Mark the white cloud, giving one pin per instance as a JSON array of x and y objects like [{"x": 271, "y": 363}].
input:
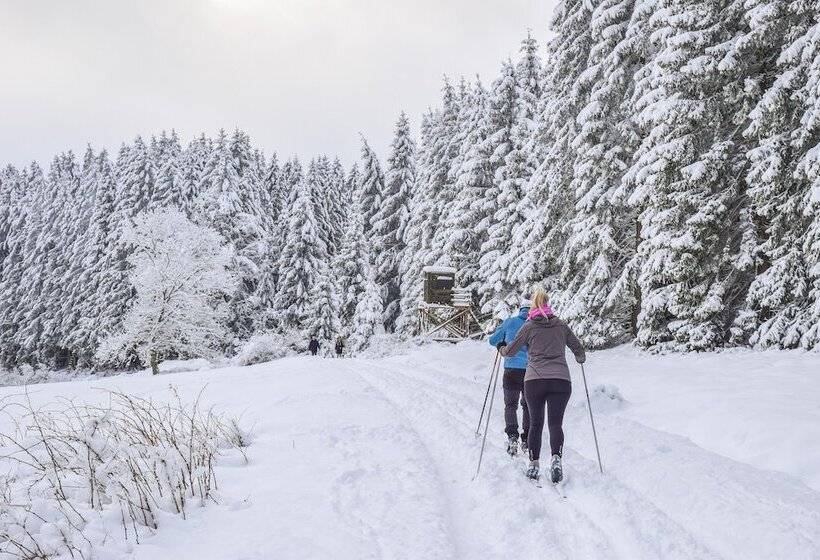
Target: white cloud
[{"x": 301, "y": 76}]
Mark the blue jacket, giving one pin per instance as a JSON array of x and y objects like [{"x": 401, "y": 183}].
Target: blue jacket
[{"x": 506, "y": 332}]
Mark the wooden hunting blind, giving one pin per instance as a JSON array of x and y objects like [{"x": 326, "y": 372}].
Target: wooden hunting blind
[
  {"x": 447, "y": 311},
  {"x": 438, "y": 284}
]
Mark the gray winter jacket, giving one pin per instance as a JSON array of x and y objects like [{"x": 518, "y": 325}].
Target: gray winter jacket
[{"x": 545, "y": 339}]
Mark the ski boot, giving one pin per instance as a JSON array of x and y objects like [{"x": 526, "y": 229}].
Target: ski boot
[
  {"x": 556, "y": 472},
  {"x": 532, "y": 470},
  {"x": 512, "y": 446},
  {"x": 524, "y": 446}
]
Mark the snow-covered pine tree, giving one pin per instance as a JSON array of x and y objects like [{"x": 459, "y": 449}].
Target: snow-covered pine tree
[
  {"x": 466, "y": 220},
  {"x": 351, "y": 266},
  {"x": 300, "y": 262},
  {"x": 27, "y": 317},
  {"x": 99, "y": 251},
  {"x": 338, "y": 200},
  {"x": 525, "y": 156},
  {"x": 808, "y": 169},
  {"x": 290, "y": 177},
  {"x": 323, "y": 320},
  {"x": 501, "y": 200},
  {"x": 114, "y": 293},
  {"x": 436, "y": 166},
  {"x": 76, "y": 282},
  {"x": 371, "y": 185},
  {"x": 390, "y": 221},
  {"x": 318, "y": 179},
  {"x": 68, "y": 211},
  {"x": 537, "y": 242},
  {"x": 360, "y": 302},
  {"x": 191, "y": 165},
  {"x": 180, "y": 273},
  {"x": 230, "y": 202},
  {"x": 529, "y": 74},
  {"x": 782, "y": 299},
  {"x": 136, "y": 178},
  {"x": 448, "y": 196},
  {"x": 16, "y": 197},
  {"x": 260, "y": 171},
  {"x": 11, "y": 192},
  {"x": 367, "y": 319},
  {"x": 602, "y": 229},
  {"x": 417, "y": 234},
  {"x": 273, "y": 182},
  {"x": 166, "y": 152},
  {"x": 352, "y": 182},
  {"x": 687, "y": 185}
]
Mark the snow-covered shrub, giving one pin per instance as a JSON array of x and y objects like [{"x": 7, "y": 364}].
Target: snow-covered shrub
[
  {"x": 604, "y": 398},
  {"x": 267, "y": 346},
  {"x": 194, "y": 364},
  {"x": 389, "y": 345},
  {"x": 70, "y": 473},
  {"x": 180, "y": 275},
  {"x": 25, "y": 374}
]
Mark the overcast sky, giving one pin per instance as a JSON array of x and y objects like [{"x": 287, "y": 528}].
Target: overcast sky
[{"x": 301, "y": 76}]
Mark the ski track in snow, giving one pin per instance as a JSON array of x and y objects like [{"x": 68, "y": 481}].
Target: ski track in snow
[
  {"x": 603, "y": 529},
  {"x": 374, "y": 459},
  {"x": 662, "y": 496}
]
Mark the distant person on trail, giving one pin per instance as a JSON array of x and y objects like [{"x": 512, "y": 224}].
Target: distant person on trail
[
  {"x": 340, "y": 346},
  {"x": 515, "y": 367},
  {"x": 313, "y": 345},
  {"x": 547, "y": 381}
]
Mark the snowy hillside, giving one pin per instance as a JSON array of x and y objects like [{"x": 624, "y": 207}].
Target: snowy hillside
[{"x": 706, "y": 456}]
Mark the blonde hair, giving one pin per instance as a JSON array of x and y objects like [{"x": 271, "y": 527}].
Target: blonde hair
[{"x": 540, "y": 298}]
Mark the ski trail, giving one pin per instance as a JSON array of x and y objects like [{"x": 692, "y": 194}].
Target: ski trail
[
  {"x": 576, "y": 533},
  {"x": 662, "y": 495},
  {"x": 485, "y": 526},
  {"x": 385, "y": 499},
  {"x": 720, "y": 500}
]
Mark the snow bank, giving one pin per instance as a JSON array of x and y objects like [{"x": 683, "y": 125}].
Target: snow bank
[{"x": 757, "y": 407}]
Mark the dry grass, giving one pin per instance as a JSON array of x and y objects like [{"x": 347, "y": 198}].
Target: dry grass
[{"x": 128, "y": 460}]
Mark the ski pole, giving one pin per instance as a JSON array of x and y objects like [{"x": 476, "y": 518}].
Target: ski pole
[
  {"x": 480, "y": 418},
  {"x": 591, "y": 420},
  {"x": 487, "y": 421}
]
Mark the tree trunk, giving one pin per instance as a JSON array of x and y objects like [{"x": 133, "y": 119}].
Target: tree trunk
[
  {"x": 152, "y": 357},
  {"x": 636, "y": 306}
]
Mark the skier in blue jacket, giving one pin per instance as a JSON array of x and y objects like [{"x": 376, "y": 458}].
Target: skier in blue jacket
[{"x": 514, "y": 369}]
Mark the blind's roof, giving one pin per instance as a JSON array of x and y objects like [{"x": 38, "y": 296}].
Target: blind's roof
[{"x": 439, "y": 270}]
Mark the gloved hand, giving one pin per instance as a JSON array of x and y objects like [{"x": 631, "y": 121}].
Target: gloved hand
[
  {"x": 581, "y": 359},
  {"x": 501, "y": 345}
]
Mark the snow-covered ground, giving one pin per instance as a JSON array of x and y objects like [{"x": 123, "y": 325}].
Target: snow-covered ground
[{"x": 706, "y": 456}]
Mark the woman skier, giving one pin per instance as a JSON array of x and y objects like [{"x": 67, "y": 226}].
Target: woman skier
[{"x": 547, "y": 381}]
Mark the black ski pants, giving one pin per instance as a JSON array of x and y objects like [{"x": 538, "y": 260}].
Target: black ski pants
[
  {"x": 513, "y": 385},
  {"x": 554, "y": 395}
]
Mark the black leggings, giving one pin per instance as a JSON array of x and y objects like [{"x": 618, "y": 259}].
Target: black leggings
[
  {"x": 513, "y": 391},
  {"x": 554, "y": 393}
]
